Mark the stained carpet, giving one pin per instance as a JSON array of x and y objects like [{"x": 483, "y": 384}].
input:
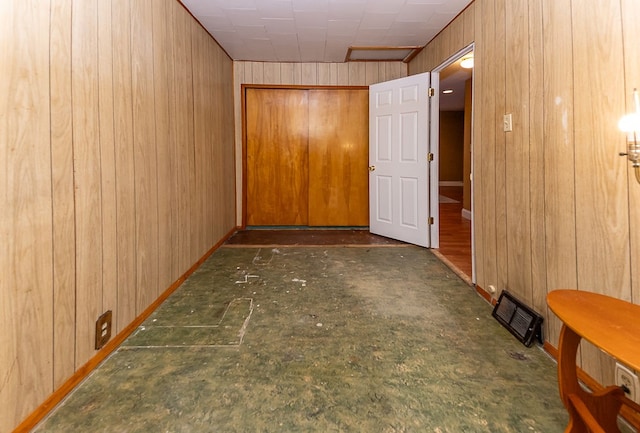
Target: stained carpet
[{"x": 319, "y": 339}]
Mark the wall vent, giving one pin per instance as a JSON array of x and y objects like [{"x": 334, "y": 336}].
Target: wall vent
[{"x": 524, "y": 323}]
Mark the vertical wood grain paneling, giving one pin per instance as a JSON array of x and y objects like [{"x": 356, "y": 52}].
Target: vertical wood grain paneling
[
  {"x": 99, "y": 153},
  {"x": 630, "y": 10},
  {"x": 107, "y": 158},
  {"x": 64, "y": 290},
  {"x": 327, "y": 73},
  {"x": 477, "y": 132},
  {"x": 26, "y": 228},
  {"x": 500, "y": 162},
  {"x": 309, "y": 75},
  {"x": 371, "y": 73},
  {"x": 552, "y": 201},
  {"x": 87, "y": 166},
  {"x": 145, "y": 156},
  {"x": 456, "y": 35},
  {"x": 515, "y": 153},
  {"x": 559, "y": 172},
  {"x": 601, "y": 216},
  {"x": 257, "y": 72},
  {"x": 184, "y": 156},
  {"x": 469, "y": 18},
  {"x": 286, "y": 74},
  {"x": 162, "y": 90},
  {"x": 343, "y": 74},
  {"x": 226, "y": 178},
  {"x": 124, "y": 163},
  {"x": 487, "y": 159},
  {"x": 600, "y": 200},
  {"x": 536, "y": 167},
  {"x": 199, "y": 120},
  {"x": 271, "y": 73},
  {"x": 209, "y": 167},
  {"x": 201, "y": 125}
]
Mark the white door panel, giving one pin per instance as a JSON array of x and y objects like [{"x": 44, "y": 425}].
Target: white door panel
[{"x": 398, "y": 148}]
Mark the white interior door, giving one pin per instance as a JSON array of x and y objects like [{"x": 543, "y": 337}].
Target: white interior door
[{"x": 398, "y": 160}]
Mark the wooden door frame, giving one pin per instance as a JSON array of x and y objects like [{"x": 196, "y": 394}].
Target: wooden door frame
[{"x": 243, "y": 94}]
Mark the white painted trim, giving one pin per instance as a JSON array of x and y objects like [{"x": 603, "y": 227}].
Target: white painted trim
[
  {"x": 450, "y": 183},
  {"x": 466, "y": 214}
]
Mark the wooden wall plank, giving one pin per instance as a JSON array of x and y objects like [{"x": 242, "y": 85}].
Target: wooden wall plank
[
  {"x": 286, "y": 74},
  {"x": 87, "y": 166},
  {"x": 343, "y": 74},
  {"x": 145, "y": 157},
  {"x": 271, "y": 73},
  {"x": 371, "y": 73},
  {"x": 631, "y": 35},
  {"x": 357, "y": 75},
  {"x": 107, "y": 158},
  {"x": 469, "y": 18},
  {"x": 124, "y": 165},
  {"x": 514, "y": 155},
  {"x": 489, "y": 159},
  {"x": 479, "y": 80},
  {"x": 162, "y": 90},
  {"x": 327, "y": 73},
  {"x": 184, "y": 153},
  {"x": 26, "y": 230},
  {"x": 64, "y": 296},
  {"x": 537, "y": 144},
  {"x": 600, "y": 202},
  {"x": 201, "y": 121},
  {"x": 499, "y": 166},
  {"x": 309, "y": 74},
  {"x": 559, "y": 173}
]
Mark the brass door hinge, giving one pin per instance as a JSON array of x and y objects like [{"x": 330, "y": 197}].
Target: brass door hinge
[
  {"x": 431, "y": 92},
  {"x": 430, "y": 221},
  {"x": 430, "y": 156}
]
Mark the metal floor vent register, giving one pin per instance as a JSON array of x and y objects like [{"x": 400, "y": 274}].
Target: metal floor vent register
[{"x": 524, "y": 323}]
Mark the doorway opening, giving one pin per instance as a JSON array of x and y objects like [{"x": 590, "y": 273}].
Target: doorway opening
[{"x": 452, "y": 138}]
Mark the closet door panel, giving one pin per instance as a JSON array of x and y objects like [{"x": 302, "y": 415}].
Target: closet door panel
[
  {"x": 338, "y": 157},
  {"x": 277, "y": 123}
]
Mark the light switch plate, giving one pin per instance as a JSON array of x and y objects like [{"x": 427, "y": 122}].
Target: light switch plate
[{"x": 507, "y": 123}]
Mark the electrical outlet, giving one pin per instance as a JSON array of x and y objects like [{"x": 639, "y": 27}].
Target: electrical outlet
[
  {"x": 628, "y": 379},
  {"x": 103, "y": 329}
]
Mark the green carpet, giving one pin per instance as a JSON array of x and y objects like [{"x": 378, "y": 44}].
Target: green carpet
[{"x": 319, "y": 340}]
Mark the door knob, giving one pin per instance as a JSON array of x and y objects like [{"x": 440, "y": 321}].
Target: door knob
[{"x": 372, "y": 168}]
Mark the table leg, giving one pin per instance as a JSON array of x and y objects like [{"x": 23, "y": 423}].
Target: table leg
[{"x": 604, "y": 406}]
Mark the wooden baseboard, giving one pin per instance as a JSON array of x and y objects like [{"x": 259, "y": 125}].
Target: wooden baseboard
[
  {"x": 52, "y": 401},
  {"x": 486, "y": 295}
]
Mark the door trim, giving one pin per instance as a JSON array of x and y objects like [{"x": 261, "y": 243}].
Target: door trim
[{"x": 435, "y": 140}]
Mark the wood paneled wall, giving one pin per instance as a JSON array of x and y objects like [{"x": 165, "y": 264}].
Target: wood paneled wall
[
  {"x": 555, "y": 206},
  {"x": 307, "y": 74},
  {"x": 117, "y": 156}
]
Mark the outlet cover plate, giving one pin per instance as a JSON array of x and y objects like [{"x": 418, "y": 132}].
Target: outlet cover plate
[{"x": 629, "y": 379}]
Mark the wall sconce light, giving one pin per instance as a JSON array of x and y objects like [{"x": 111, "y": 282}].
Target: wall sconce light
[{"x": 630, "y": 124}]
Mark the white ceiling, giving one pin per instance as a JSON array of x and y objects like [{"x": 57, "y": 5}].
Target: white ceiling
[{"x": 319, "y": 30}]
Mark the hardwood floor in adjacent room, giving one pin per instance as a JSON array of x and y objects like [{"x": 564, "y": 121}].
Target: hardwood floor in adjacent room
[{"x": 455, "y": 231}]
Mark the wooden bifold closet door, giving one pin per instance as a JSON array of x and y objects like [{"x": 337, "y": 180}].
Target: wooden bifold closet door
[{"x": 306, "y": 157}]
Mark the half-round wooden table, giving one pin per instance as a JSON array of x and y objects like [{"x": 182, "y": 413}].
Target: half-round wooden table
[{"x": 611, "y": 324}]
